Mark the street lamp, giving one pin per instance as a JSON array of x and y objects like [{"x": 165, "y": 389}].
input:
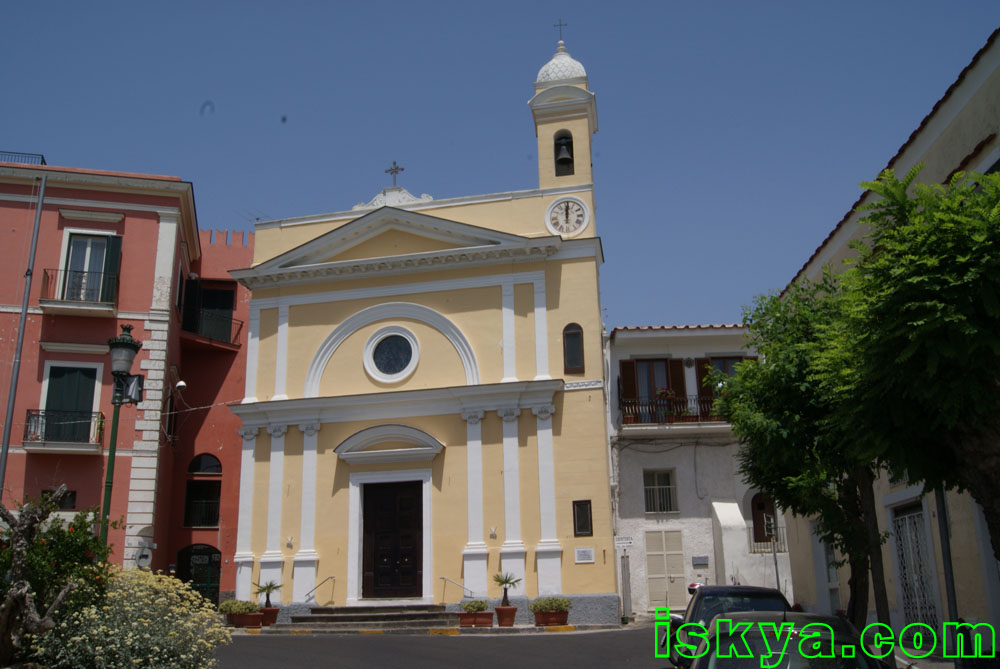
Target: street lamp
[{"x": 123, "y": 350}]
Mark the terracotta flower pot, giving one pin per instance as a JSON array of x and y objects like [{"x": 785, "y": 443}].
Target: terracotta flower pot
[
  {"x": 505, "y": 615},
  {"x": 545, "y": 618},
  {"x": 467, "y": 618},
  {"x": 484, "y": 619},
  {"x": 245, "y": 619},
  {"x": 270, "y": 614}
]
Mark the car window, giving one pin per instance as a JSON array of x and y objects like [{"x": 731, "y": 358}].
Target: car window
[{"x": 713, "y": 605}]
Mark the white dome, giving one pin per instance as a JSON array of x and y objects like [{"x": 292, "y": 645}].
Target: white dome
[{"x": 562, "y": 66}]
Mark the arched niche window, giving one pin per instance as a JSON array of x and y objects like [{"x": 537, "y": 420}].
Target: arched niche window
[
  {"x": 201, "y": 500},
  {"x": 573, "y": 349},
  {"x": 762, "y": 507},
  {"x": 563, "y": 152}
]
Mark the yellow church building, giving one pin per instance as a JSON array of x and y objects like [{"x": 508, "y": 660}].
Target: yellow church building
[{"x": 425, "y": 399}]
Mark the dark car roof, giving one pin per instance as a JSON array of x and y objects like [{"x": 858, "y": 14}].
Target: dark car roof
[
  {"x": 844, "y": 630},
  {"x": 736, "y": 590}
]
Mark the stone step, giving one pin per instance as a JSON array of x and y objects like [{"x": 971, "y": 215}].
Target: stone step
[
  {"x": 355, "y": 626},
  {"x": 398, "y": 608},
  {"x": 376, "y": 616}
]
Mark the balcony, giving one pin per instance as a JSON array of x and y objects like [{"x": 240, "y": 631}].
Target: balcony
[
  {"x": 63, "y": 431},
  {"x": 765, "y": 546},
  {"x": 78, "y": 293},
  {"x": 210, "y": 325},
  {"x": 669, "y": 410},
  {"x": 202, "y": 512}
]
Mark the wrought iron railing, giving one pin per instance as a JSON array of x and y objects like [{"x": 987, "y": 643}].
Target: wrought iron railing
[
  {"x": 660, "y": 498},
  {"x": 201, "y": 513},
  {"x": 669, "y": 409},
  {"x": 76, "y": 286},
  {"x": 765, "y": 546},
  {"x": 23, "y": 158},
  {"x": 215, "y": 326},
  {"x": 72, "y": 427}
]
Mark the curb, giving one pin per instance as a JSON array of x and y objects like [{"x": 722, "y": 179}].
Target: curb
[{"x": 434, "y": 631}]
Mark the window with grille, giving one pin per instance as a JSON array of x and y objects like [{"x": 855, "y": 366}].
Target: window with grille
[{"x": 660, "y": 492}]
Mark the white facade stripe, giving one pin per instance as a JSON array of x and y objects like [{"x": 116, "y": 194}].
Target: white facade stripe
[{"x": 509, "y": 341}]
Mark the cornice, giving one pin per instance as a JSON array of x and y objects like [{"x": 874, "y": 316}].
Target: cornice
[
  {"x": 400, "y": 404},
  {"x": 412, "y": 262}
]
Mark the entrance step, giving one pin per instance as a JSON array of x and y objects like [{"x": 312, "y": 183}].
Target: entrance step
[{"x": 371, "y": 619}]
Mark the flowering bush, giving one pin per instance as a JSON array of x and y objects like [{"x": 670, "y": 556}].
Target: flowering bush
[
  {"x": 474, "y": 606},
  {"x": 145, "y": 620},
  {"x": 550, "y": 604},
  {"x": 239, "y": 607}
]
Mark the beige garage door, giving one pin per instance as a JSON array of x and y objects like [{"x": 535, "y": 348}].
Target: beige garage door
[{"x": 665, "y": 570}]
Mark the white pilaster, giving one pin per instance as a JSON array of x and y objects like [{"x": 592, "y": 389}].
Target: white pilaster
[
  {"x": 163, "y": 267},
  {"x": 475, "y": 552},
  {"x": 305, "y": 560},
  {"x": 548, "y": 552},
  {"x": 512, "y": 551},
  {"x": 243, "y": 556},
  {"x": 272, "y": 559},
  {"x": 509, "y": 341},
  {"x": 281, "y": 354},
  {"x": 253, "y": 340},
  {"x": 541, "y": 332}
]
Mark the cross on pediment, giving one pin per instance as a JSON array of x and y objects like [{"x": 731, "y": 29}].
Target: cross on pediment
[{"x": 394, "y": 170}]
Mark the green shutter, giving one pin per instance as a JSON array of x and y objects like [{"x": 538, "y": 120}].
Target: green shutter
[{"x": 112, "y": 264}]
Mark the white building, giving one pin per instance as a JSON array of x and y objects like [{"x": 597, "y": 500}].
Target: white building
[{"x": 677, "y": 491}]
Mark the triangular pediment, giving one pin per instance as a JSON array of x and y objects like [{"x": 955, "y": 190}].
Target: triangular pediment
[
  {"x": 391, "y": 241},
  {"x": 390, "y": 229}
]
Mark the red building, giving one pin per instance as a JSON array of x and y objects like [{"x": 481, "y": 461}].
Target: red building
[{"x": 124, "y": 249}]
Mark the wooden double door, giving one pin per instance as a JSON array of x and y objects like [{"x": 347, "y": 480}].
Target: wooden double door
[{"x": 393, "y": 540}]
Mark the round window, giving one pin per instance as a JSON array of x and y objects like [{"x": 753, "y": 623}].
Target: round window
[{"x": 391, "y": 354}]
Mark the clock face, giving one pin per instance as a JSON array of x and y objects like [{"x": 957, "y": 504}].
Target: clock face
[{"x": 567, "y": 217}]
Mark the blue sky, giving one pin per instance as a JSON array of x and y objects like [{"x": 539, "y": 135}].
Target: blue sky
[{"x": 732, "y": 134}]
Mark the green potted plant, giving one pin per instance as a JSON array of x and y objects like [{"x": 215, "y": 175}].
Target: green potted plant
[
  {"x": 270, "y": 612},
  {"x": 505, "y": 612},
  {"x": 474, "y": 614},
  {"x": 550, "y": 610},
  {"x": 240, "y": 613}
]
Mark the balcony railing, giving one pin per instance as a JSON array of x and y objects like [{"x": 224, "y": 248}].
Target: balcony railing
[
  {"x": 70, "y": 427},
  {"x": 76, "y": 286},
  {"x": 215, "y": 326},
  {"x": 23, "y": 158},
  {"x": 765, "y": 546},
  {"x": 665, "y": 410},
  {"x": 201, "y": 513}
]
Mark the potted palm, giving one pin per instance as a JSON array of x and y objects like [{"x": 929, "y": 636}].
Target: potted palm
[
  {"x": 550, "y": 610},
  {"x": 505, "y": 612},
  {"x": 240, "y": 613},
  {"x": 474, "y": 614},
  {"x": 270, "y": 612}
]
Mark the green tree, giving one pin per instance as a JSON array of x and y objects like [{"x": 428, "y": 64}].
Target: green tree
[
  {"x": 47, "y": 567},
  {"x": 926, "y": 334},
  {"x": 780, "y": 406}
]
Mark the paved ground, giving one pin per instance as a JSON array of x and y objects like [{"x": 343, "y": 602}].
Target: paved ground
[{"x": 629, "y": 647}]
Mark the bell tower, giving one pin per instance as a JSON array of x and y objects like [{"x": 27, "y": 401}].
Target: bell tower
[{"x": 565, "y": 114}]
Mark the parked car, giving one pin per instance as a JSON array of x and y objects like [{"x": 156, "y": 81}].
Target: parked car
[
  {"x": 708, "y": 601},
  {"x": 832, "y": 639}
]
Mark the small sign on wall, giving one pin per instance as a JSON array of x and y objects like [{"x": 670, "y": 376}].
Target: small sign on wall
[{"x": 584, "y": 555}]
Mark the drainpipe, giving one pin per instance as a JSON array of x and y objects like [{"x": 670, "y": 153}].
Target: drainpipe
[
  {"x": 949, "y": 575},
  {"x": 16, "y": 367}
]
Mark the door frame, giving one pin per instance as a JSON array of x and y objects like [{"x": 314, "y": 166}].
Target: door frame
[
  {"x": 99, "y": 366},
  {"x": 355, "y": 531},
  {"x": 892, "y": 501}
]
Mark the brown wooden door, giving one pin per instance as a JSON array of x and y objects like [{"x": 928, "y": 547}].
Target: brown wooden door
[{"x": 393, "y": 540}]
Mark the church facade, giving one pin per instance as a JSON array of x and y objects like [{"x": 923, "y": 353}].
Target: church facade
[{"x": 425, "y": 399}]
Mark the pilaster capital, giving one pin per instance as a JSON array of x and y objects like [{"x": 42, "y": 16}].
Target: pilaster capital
[
  {"x": 248, "y": 433},
  {"x": 472, "y": 417},
  {"x": 509, "y": 414},
  {"x": 277, "y": 429},
  {"x": 544, "y": 412},
  {"x": 309, "y": 429}
]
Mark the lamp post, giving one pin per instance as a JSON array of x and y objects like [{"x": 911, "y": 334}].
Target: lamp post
[{"x": 123, "y": 350}]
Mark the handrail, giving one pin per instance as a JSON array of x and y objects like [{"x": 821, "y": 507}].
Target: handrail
[
  {"x": 464, "y": 589},
  {"x": 328, "y": 578}
]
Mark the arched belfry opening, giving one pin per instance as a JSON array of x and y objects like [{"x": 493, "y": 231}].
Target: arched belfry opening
[{"x": 563, "y": 152}]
